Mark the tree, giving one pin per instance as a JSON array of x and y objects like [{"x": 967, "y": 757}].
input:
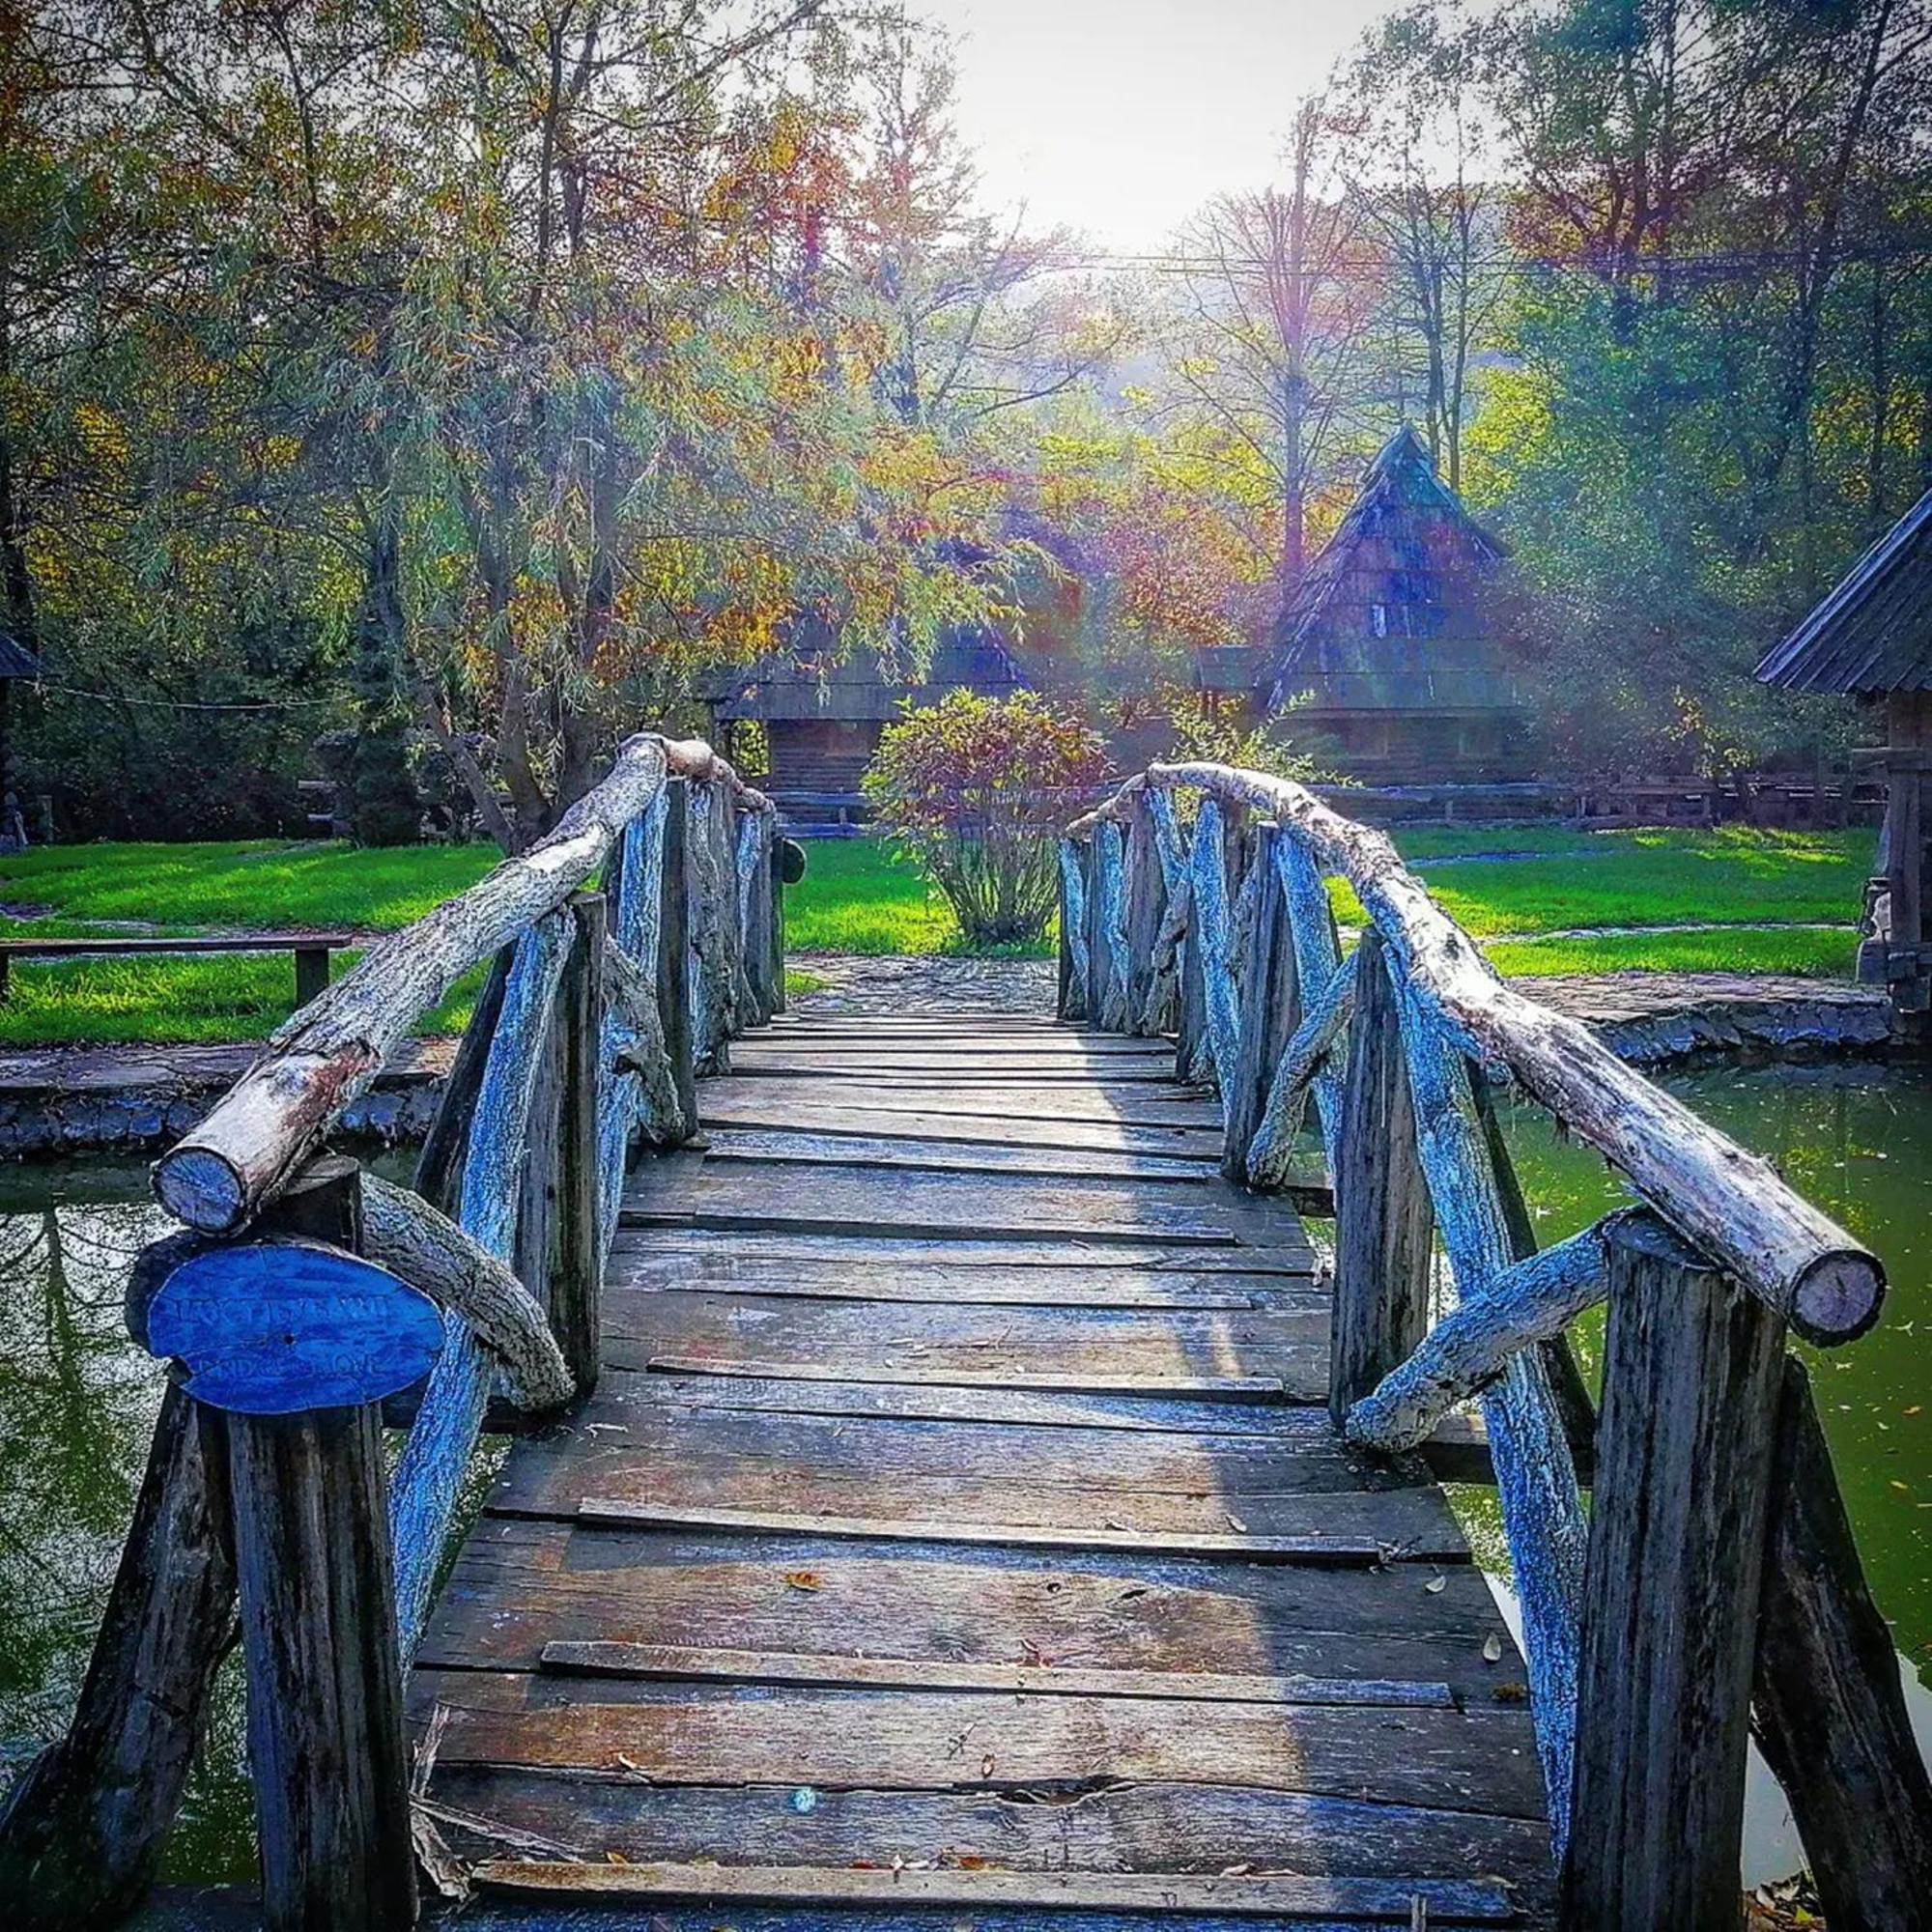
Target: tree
[
  {"x": 1277, "y": 305},
  {"x": 1419, "y": 177}
]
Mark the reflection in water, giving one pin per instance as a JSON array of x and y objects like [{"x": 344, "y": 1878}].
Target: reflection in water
[{"x": 77, "y": 1404}]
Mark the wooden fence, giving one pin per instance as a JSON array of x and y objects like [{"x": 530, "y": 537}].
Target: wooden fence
[
  {"x": 1714, "y": 1577},
  {"x": 308, "y": 1294}
]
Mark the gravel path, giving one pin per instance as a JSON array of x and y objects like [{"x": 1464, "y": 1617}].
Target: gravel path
[{"x": 1650, "y": 1019}]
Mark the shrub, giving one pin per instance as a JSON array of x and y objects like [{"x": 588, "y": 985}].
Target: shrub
[{"x": 974, "y": 787}]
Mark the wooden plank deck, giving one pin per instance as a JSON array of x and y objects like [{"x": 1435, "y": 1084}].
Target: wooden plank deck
[{"x": 959, "y": 1528}]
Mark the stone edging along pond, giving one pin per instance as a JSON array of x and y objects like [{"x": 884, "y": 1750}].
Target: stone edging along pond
[{"x": 137, "y": 1100}]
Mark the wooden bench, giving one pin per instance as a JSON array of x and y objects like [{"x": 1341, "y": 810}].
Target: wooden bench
[{"x": 311, "y": 952}]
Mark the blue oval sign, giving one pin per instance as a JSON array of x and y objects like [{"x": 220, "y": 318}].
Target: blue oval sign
[{"x": 273, "y": 1327}]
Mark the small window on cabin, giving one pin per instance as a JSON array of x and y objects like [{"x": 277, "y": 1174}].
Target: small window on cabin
[{"x": 1379, "y": 619}]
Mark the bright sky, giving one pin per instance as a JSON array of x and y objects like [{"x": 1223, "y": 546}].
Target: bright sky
[{"x": 1119, "y": 118}]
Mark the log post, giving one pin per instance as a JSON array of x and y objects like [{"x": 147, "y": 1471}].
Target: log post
[
  {"x": 1692, "y": 1362},
  {"x": 757, "y": 903},
  {"x": 1829, "y": 1710},
  {"x": 775, "y": 923},
  {"x": 674, "y": 960},
  {"x": 576, "y": 1264},
  {"x": 1076, "y": 893},
  {"x": 1146, "y": 904},
  {"x": 1102, "y": 860},
  {"x": 1270, "y": 1008},
  {"x": 81, "y": 1832},
  {"x": 1382, "y": 1217},
  {"x": 311, "y": 973},
  {"x": 438, "y": 1170},
  {"x": 319, "y": 1635}
]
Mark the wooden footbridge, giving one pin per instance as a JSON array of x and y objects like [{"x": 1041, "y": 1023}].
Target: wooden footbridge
[{"x": 946, "y": 1487}]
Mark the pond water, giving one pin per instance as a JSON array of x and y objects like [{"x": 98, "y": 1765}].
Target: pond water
[
  {"x": 77, "y": 1401},
  {"x": 1856, "y": 1138}
]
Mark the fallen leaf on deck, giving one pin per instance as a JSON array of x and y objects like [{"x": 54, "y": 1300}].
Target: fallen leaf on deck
[
  {"x": 1437, "y": 1584},
  {"x": 1234, "y": 1523},
  {"x": 1493, "y": 1648},
  {"x": 805, "y": 1579}
]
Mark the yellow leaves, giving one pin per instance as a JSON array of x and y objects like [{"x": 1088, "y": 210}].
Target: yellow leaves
[{"x": 803, "y": 1579}]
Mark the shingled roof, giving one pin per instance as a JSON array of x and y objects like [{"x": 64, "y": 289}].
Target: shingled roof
[
  {"x": 1390, "y": 615},
  {"x": 1873, "y": 634}
]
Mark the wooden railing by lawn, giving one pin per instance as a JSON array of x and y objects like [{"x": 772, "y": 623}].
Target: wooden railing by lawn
[
  {"x": 1712, "y": 1585},
  {"x": 307, "y": 1294}
]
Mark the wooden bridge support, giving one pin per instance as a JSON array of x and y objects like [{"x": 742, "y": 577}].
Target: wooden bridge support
[
  {"x": 318, "y": 1637},
  {"x": 1676, "y": 1555},
  {"x": 1383, "y": 1220}
]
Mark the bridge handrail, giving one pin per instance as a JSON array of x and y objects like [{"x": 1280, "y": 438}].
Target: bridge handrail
[
  {"x": 1716, "y": 1567},
  {"x": 1725, "y": 1199},
  {"x": 265, "y": 1479},
  {"x": 329, "y": 1051}
]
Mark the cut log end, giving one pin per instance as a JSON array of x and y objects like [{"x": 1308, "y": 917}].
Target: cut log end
[
  {"x": 203, "y": 1188},
  {"x": 1837, "y": 1297}
]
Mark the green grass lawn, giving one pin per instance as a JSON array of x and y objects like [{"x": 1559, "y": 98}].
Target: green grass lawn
[{"x": 1760, "y": 898}]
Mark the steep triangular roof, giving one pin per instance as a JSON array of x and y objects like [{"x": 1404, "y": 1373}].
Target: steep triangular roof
[
  {"x": 1873, "y": 634},
  {"x": 1394, "y": 603}
]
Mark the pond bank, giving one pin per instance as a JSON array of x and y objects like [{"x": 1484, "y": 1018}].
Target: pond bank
[{"x": 135, "y": 1099}]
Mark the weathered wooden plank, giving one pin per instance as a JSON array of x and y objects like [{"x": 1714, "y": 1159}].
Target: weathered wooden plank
[
  {"x": 632, "y": 1440},
  {"x": 1166, "y": 1894},
  {"x": 727, "y": 1105},
  {"x": 1828, "y": 1707},
  {"x": 1383, "y": 1218},
  {"x": 1146, "y": 1828},
  {"x": 1104, "y": 1054},
  {"x": 687, "y": 1663},
  {"x": 1120, "y": 1078},
  {"x": 1286, "y": 1256},
  {"x": 1060, "y": 1409},
  {"x": 685, "y": 1190},
  {"x": 684, "y": 1734},
  {"x": 662, "y": 1266},
  {"x": 1141, "y": 1107},
  {"x": 1201, "y": 1342},
  {"x": 1346, "y": 1545},
  {"x": 1676, "y": 1553},
  {"x": 813, "y": 1149},
  {"x": 995, "y": 1373},
  {"x": 522, "y": 1582}
]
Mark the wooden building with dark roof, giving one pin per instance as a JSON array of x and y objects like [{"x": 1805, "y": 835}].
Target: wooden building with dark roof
[
  {"x": 1871, "y": 638},
  {"x": 822, "y": 718},
  {"x": 1385, "y": 653}
]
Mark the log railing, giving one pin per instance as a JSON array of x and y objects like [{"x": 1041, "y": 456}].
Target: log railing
[
  {"x": 308, "y": 1300},
  {"x": 1713, "y": 1581}
]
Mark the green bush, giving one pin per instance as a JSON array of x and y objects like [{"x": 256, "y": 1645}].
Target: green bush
[{"x": 974, "y": 787}]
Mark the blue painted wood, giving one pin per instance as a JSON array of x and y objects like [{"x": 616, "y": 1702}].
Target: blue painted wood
[
  {"x": 1073, "y": 925},
  {"x": 635, "y": 917},
  {"x": 1536, "y": 1476},
  {"x": 1213, "y": 930},
  {"x": 436, "y": 1457},
  {"x": 1110, "y": 969},
  {"x": 1310, "y": 926},
  {"x": 278, "y": 1327}
]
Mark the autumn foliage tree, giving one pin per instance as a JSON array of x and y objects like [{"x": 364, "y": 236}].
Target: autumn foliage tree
[{"x": 975, "y": 788}]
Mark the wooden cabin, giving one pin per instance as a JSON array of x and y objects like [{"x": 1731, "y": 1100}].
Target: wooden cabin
[
  {"x": 1385, "y": 653},
  {"x": 822, "y": 719},
  {"x": 1871, "y": 638}
]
